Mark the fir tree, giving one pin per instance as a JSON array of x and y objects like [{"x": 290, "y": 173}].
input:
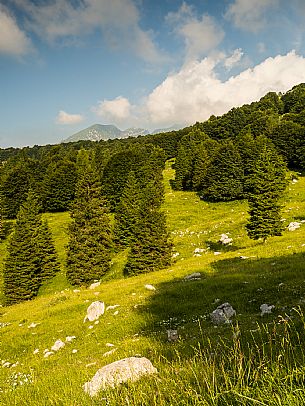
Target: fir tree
[
  {"x": 151, "y": 250},
  {"x": 28, "y": 256},
  {"x": 265, "y": 187},
  {"x": 58, "y": 188},
  {"x": 49, "y": 264},
  {"x": 14, "y": 189},
  {"x": 128, "y": 212},
  {"x": 88, "y": 255},
  {"x": 2, "y": 228},
  {"x": 183, "y": 168},
  {"x": 225, "y": 175}
]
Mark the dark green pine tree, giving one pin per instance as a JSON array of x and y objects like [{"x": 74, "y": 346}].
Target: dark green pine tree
[
  {"x": 58, "y": 186},
  {"x": 2, "y": 228},
  {"x": 127, "y": 213},
  {"x": 225, "y": 175},
  {"x": 27, "y": 261},
  {"x": 14, "y": 188},
  {"x": 152, "y": 248},
  {"x": 183, "y": 168},
  {"x": 266, "y": 184},
  {"x": 49, "y": 264},
  {"x": 88, "y": 255}
]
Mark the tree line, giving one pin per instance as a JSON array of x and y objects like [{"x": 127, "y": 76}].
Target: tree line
[{"x": 242, "y": 154}]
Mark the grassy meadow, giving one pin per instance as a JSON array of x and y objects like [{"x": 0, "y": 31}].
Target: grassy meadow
[{"x": 254, "y": 361}]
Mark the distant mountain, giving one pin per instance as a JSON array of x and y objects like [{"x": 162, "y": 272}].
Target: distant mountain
[
  {"x": 99, "y": 132},
  {"x": 134, "y": 132},
  {"x": 174, "y": 127},
  {"x": 96, "y": 132}
]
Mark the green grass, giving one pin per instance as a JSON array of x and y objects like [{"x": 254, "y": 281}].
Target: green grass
[{"x": 255, "y": 361}]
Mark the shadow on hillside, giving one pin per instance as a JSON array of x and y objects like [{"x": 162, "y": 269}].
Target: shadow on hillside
[
  {"x": 244, "y": 283},
  {"x": 217, "y": 246}
]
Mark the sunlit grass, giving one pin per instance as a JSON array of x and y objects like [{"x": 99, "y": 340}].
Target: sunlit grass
[{"x": 255, "y": 361}]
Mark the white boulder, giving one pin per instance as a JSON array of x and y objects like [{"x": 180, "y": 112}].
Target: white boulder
[
  {"x": 225, "y": 239},
  {"x": 266, "y": 309},
  {"x": 193, "y": 276},
  {"x": 94, "y": 311},
  {"x": 111, "y": 375},
  {"x": 94, "y": 285},
  {"x": 198, "y": 250},
  {"x": 294, "y": 225},
  {"x": 223, "y": 314},
  {"x": 69, "y": 339},
  {"x": 172, "y": 335},
  {"x": 150, "y": 287},
  {"x": 58, "y": 345}
]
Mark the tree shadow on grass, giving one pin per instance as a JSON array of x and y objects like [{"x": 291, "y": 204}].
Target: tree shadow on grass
[
  {"x": 245, "y": 283},
  {"x": 219, "y": 247}
]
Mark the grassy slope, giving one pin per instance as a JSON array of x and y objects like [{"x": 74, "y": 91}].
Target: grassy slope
[{"x": 206, "y": 366}]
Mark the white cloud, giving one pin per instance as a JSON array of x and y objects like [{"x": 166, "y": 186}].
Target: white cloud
[
  {"x": 118, "y": 109},
  {"x": 13, "y": 41},
  {"x": 195, "y": 92},
  {"x": 234, "y": 59},
  {"x": 66, "y": 118},
  {"x": 200, "y": 35},
  {"x": 117, "y": 20},
  {"x": 249, "y": 15}
]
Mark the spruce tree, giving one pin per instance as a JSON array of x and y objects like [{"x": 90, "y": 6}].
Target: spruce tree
[
  {"x": 225, "y": 175},
  {"x": 151, "y": 250},
  {"x": 88, "y": 255},
  {"x": 128, "y": 212},
  {"x": 58, "y": 187},
  {"x": 2, "y": 228},
  {"x": 28, "y": 254},
  {"x": 265, "y": 187},
  {"x": 49, "y": 264}
]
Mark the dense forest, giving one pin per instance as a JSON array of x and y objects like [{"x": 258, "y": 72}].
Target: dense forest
[{"x": 114, "y": 190}]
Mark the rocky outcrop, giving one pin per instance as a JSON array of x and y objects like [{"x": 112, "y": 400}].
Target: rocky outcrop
[{"x": 111, "y": 375}]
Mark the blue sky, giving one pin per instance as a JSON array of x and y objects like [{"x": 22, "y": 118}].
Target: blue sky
[{"x": 67, "y": 64}]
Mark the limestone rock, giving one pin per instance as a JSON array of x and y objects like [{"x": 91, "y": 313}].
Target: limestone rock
[
  {"x": 58, "y": 345},
  {"x": 225, "y": 239},
  {"x": 294, "y": 225},
  {"x": 111, "y": 375},
  {"x": 193, "y": 276},
  {"x": 94, "y": 311},
  {"x": 150, "y": 287},
  {"x": 266, "y": 309},
  {"x": 69, "y": 339},
  {"x": 172, "y": 335},
  {"x": 94, "y": 285},
  {"x": 223, "y": 314}
]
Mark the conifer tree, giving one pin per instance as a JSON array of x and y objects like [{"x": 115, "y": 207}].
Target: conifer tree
[
  {"x": 58, "y": 188},
  {"x": 128, "y": 212},
  {"x": 151, "y": 250},
  {"x": 225, "y": 175},
  {"x": 183, "y": 168},
  {"x": 49, "y": 264},
  {"x": 88, "y": 255},
  {"x": 28, "y": 262},
  {"x": 13, "y": 190},
  {"x": 2, "y": 228},
  {"x": 266, "y": 184}
]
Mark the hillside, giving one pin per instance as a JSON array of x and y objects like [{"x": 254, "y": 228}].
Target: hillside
[{"x": 240, "y": 364}]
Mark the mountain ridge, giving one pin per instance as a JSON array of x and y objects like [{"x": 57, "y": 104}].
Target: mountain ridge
[{"x": 98, "y": 132}]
